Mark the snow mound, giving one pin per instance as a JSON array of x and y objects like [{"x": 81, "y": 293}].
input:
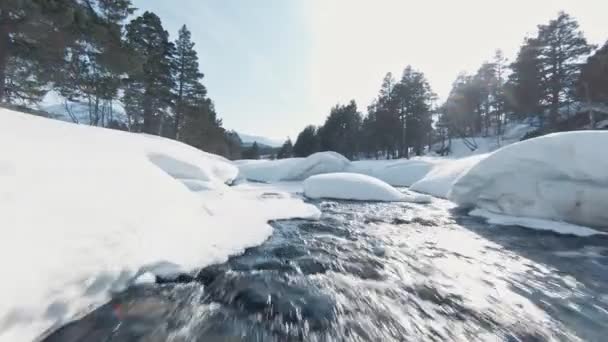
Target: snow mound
[
  {"x": 559, "y": 177},
  {"x": 87, "y": 211},
  {"x": 396, "y": 173},
  {"x": 351, "y": 186},
  {"x": 444, "y": 174},
  {"x": 292, "y": 169}
]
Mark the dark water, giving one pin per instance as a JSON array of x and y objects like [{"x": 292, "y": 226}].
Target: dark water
[{"x": 377, "y": 272}]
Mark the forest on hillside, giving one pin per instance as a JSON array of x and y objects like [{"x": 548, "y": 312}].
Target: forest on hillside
[{"x": 95, "y": 53}]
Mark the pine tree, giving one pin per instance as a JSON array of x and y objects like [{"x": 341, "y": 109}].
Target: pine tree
[
  {"x": 562, "y": 48},
  {"x": 593, "y": 81},
  {"x": 307, "y": 142},
  {"x": 21, "y": 85},
  {"x": 187, "y": 77},
  {"x": 525, "y": 92},
  {"x": 341, "y": 130},
  {"x": 498, "y": 90},
  {"x": 461, "y": 111},
  {"x": 286, "y": 150},
  {"x": 233, "y": 145},
  {"x": 33, "y": 35},
  {"x": 147, "y": 94},
  {"x": 387, "y": 127},
  {"x": 414, "y": 100},
  {"x": 96, "y": 60},
  {"x": 253, "y": 152}
]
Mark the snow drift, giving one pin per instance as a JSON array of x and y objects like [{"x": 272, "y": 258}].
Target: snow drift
[
  {"x": 351, "y": 186},
  {"x": 292, "y": 169},
  {"x": 84, "y": 211},
  {"x": 561, "y": 177},
  {"x": 402, "y": 172}
]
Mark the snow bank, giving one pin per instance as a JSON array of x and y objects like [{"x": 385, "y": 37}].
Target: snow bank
[
  {"x": 442, "y": 177},
  {"x": 561, "y": 177},
  {"x": 292, "y": 169},
  {"x": 351, "y": 186},
  {"x": 86, "y": 211}
]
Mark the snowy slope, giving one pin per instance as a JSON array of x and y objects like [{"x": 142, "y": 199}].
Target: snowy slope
[
  {"x": 84, "y": 211},
  {"x": 562, "y": 177}
]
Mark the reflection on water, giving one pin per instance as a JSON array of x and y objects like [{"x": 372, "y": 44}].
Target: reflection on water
[{"x": 377, "y": 272}]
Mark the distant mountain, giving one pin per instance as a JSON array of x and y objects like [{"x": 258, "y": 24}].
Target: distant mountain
[{"x": 248, "y": 140}]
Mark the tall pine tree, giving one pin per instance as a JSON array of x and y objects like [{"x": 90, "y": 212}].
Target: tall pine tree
[
  {"x": 187, "y": 77},
  {"x": 414, "y": 101},
  {"x": 147, "y": 94},
  {"x": 96, "y": 60},
  {"x": 307, "y": 142},
  {"x": 525, "y": 92},
  {"x": 563, "y": 48},
  {"x": 33, "y": 35}
]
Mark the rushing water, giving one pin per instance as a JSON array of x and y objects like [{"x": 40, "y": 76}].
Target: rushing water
[{"x": 377, "y": 272}]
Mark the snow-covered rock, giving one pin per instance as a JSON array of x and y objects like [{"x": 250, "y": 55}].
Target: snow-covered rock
[
  {"x": 561, "y": 177},
  {"x": 351, "y": 186},
  {"x": 442, "y": 176},
  {"x": 292, "y": 169},
  {"x": 86, "y": 211}
]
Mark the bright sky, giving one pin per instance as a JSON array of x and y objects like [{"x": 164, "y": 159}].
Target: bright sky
[{"x": 274, "y": 66}]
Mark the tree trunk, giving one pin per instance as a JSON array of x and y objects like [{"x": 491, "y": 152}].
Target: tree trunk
[
  {"x": 148, "y": 115},
  {"x": 4, "y": 45},
  {"x": 590, "y": 108},
  {"x": 178, "y": 110}
]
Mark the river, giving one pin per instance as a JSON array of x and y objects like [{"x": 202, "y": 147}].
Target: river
[{"x": 376, "y": 272}]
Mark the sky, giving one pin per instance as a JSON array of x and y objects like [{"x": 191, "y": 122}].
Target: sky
[{"x": 274, "y": 66}]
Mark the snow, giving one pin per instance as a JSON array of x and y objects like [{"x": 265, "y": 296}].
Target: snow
[
  {"x": 292, "y": 169},
  {"x": 351, "y": 186},
  {"x": 442, "y": 177},
  {"x": 86, "y": 211},
  {"x": 559, "y": 177},
  {"x": 402, "y": 172}
]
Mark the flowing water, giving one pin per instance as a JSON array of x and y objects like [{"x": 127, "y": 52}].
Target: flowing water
[{"x": 376, "y": 272}]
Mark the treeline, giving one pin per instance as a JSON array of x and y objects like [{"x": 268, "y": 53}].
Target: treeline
[
  {"x": 553, "y": 80},
  {"x": 87, "y": 52}
]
